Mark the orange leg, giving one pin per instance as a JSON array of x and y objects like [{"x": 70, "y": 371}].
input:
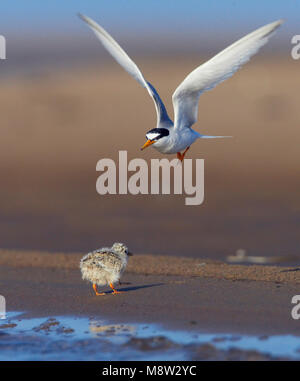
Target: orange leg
[
  {"x": 96, "y": 291},
  {"x": 181, "y": 156},
  {"x": 114, "y": 290}
]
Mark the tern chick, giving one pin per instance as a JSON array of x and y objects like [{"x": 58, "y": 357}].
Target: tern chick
[{"x": 105, "y": 266}]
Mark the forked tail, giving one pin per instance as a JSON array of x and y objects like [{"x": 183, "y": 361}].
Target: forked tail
[{"x": 212, "y": 137}]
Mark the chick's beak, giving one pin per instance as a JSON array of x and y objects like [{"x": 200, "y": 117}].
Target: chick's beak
[
  {"x": 130, "y": 254},
  {"x": 147, "y": 144}
]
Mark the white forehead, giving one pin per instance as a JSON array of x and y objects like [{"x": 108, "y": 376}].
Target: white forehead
[{"x": 152, "y": 135}]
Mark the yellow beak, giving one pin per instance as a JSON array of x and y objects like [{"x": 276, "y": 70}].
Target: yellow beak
[{"x": 147, "y": 144}]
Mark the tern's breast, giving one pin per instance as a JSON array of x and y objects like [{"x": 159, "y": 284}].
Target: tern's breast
[{"x": 177, "y": 141}]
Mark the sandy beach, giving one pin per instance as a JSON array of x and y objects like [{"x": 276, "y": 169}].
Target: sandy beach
[
  {"x": 182, "y": 299},
  {"x": 177, "y": 292},
  {"x": 171, "y": 308}
]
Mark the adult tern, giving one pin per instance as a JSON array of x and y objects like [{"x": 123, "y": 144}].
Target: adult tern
[{"x": 168, "y": 137}]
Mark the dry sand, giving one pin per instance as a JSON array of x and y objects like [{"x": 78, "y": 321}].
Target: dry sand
[{"x": 158, "y": 265}]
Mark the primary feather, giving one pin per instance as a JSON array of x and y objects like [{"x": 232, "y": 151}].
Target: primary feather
[
  {"x": 126, "y": 62},
  {"x": 214, "y": 71}
]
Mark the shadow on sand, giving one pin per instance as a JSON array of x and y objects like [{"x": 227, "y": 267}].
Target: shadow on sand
[
  {"x": 290, "y": 270},
  {"x": 137, "y": 287}
]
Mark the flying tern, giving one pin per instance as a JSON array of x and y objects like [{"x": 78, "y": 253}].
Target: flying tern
[{"x": 170, "y": 137}]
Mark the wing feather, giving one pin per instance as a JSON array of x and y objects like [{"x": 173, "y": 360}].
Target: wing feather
[
  {"x": 215, "y": 71},
  {"x": 126, "y": 62}
]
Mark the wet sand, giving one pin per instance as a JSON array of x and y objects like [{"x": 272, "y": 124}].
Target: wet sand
[{"x": 177, "y": 292}]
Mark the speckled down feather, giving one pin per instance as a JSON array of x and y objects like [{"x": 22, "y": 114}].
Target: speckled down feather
[{"x": 105, "y": 265}]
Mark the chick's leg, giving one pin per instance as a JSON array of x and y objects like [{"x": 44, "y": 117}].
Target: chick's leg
[
  {"x": 96, "y": 291},
  {"x": 114, "y": 290}
]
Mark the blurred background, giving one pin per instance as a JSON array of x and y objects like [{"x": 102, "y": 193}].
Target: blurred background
[{"x": 65, "y": 104}]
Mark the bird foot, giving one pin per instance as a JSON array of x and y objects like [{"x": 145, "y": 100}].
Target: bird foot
[
  {"x": 96, "y": 291},
  {"x": 114, "y": 290},
  {"x": 117, "y": 292},
  {"x": 181, "y": 156}
]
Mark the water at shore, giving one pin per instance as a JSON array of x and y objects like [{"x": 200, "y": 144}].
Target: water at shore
[{"x": 73, "y": 338}]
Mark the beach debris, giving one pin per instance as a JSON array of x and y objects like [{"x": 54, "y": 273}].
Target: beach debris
[
  {"x": 8, "y": 325},
  {"x": 46, "y": 327},
  {"x": 65, "y": 330},
  {"x": 111, "y": 329},
  {"x": 242, "y": 257},
  {"x": 105, "y": 266},
  {"x": 52, "y": 325},
  {"x": 151, "y": 343}
]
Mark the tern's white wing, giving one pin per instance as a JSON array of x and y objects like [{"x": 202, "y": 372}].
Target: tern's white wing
[
  {"x": 126, "y": 62},
  {"x": 214, "y": 71}
]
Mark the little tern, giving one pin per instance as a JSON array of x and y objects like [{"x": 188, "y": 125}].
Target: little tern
[{"x": 168, "y": 137}]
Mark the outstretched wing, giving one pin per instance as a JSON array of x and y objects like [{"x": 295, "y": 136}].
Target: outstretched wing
[
  {"x": 214, "y": 71},
  {"x": 126, "y": 62}
]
